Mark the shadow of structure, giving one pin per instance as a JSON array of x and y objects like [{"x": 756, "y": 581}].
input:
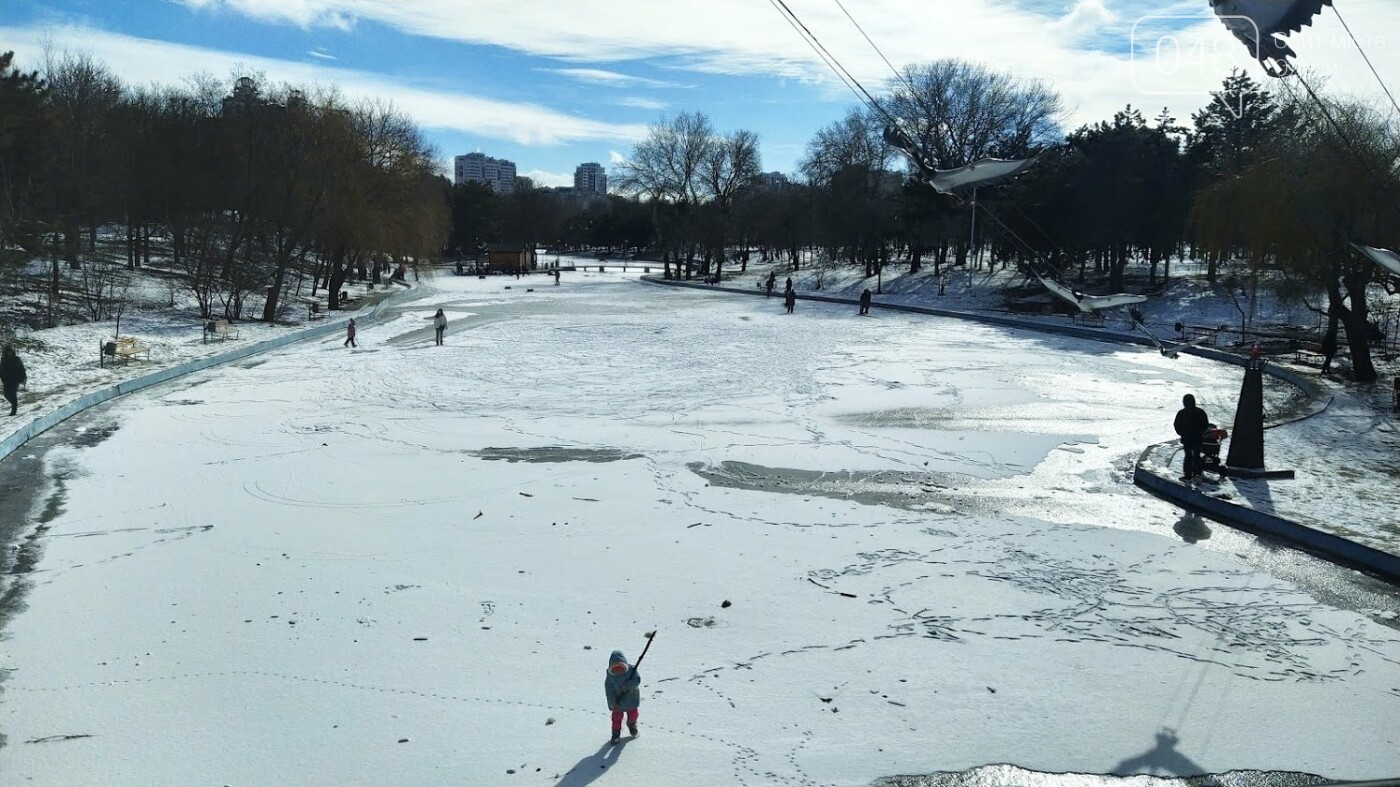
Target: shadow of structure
[
  {"x": 1256, "y": 491},
  {"x": 1163, "y": 758},
  {"x": 591, "y": 768}
]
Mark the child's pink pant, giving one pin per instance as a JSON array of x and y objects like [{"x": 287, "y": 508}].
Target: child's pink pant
[{"x": 617, "y": 718}]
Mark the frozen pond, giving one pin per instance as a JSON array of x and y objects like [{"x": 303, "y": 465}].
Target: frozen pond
[{"x": 408, "y": 564}]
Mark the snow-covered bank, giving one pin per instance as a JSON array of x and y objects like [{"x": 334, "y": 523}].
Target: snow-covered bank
[
  {"x": 407, "y": 564},
  {"x": 63, "y": 363}
]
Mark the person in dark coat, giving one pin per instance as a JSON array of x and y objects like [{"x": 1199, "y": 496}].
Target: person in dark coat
[
  {"x": 790, "y": 299},
  {"x": 1329, "y": 350},
  {"x": 12, "y": 376},
  {"x": 768, "y": 286},
  {"x": 350, "y": 334},
  {"x": 865, "y": 301},
  {"x": 623, "y": 687},
  {"x": 788, "y": 286},
  {"x": 1191, "y": 424}
]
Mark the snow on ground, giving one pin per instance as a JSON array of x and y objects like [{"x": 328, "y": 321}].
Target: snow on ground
[
  {"x": 63, "y": 363},
  {"x": 1346, "y": 458},
  {"x": 408, "y": 564}
]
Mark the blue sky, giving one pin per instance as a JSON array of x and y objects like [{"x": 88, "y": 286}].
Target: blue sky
[{"x": 553, "y": 83}]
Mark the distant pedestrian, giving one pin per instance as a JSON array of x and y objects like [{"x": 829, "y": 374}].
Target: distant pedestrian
[
  {"x": 1329, "y": 350},
  {"x": 12, "y": 376},
  {"x": 788, "y": 286},
  {"x": 772, "y": 280},
  {"x": 623, "y": 686},
  {"x": 1191, "y": 425},
  {"x": 350, "y": 334},
  {"x": 790, "y": 299},
  {"x": 439, "y": 325},
  {"x": 556, "y": 274},
  {"x": 865, "y": 301}
]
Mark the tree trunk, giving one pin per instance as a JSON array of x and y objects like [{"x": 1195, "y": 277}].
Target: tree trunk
[
  {"x": 1358, "y": 328},
  {"x": 53, "y": 292},
  {"x": 71, "y": 243},
  {"x": 335, "y": 278}
]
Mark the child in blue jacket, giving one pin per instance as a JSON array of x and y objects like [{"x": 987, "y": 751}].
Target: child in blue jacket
[{"x": 622, "y": 685}]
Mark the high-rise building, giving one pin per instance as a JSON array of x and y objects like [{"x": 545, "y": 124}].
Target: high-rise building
[
  {"x": 772, "y": 180},
  {"x": 497, "y": 173},
  {"x": 591, "y": 178}
]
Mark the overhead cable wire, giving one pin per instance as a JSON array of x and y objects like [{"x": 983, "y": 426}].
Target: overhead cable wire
[
  {"x": 873, "y": 45},
  {"x": 1381, "y": 184},
  {"x": 831, "y": 60},
  {"x": 913, "y": 90},
  {"x": 799, "y": 27},
  {"x": 1365, "y": 57}
]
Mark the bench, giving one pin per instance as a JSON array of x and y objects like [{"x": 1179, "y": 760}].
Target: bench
[
  {"x": 1311, "y": 354},
  {"x": 1090, "y": 319},
  {"x": 221, "y": 329},
  {"x": 123, "y": 349},
  {"x": 1190, "y": 333},
  {"x": 1308, "y": 354}
]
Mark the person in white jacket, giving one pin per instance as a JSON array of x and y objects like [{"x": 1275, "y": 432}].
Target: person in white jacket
[{"x": 439, "y": 325}]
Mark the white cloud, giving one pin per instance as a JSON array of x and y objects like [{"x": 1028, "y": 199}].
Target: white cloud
[
  {"x": 317, "y": 53},
  {"x": 615, "y": 158},
  {"x": 303, "y": 13},
  {"x": 141, "y": 61},
  {"x": 1086, "y": 18},
  {"x": 639, "y": 102},
  {"x": 543, "y": 178},
  {"x": 1036, "y": 40},
  {"x": 599, "y": 76}
]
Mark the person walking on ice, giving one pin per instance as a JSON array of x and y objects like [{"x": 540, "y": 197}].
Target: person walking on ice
[
  {"x": 1191, "y": 425},
  {"x": 622, "y": 685},
  {"x": 350, "y": 334},
  {"x": 790, "y": 299},
  {"x": 865, "y": 301},
  {"x": 439, "y": 326},
  {"x": 12, "y": 376}
]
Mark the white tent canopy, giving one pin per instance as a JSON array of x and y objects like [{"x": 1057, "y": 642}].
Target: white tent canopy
[
  {"x": 1385, "y": 258},
  {"x": 1089, "y": 303},
  {"x": 983, "y": 172}
]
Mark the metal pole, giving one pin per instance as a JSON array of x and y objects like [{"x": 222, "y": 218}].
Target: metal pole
[{"x": 972, "y": 237}]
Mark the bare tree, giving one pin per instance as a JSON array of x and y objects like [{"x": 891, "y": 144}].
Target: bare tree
[
  {"x": 667, "y": 167},
  {"x": 957, "y": 111},
  {"x": 731, "y": 165}
]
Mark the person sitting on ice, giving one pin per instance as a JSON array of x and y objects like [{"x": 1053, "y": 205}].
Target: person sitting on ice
[{"x": 623, "y": 686}]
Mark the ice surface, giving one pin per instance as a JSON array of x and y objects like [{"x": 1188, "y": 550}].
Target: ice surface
[{"x": 274, "y": 572}]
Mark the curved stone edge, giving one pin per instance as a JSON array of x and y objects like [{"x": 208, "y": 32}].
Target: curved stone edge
[
  {"x": 1325, "y": 545},
  {"x": 54, "y": 417}
]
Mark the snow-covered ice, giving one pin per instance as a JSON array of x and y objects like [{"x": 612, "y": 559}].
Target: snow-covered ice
[{"x": 408, "y": 564}]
